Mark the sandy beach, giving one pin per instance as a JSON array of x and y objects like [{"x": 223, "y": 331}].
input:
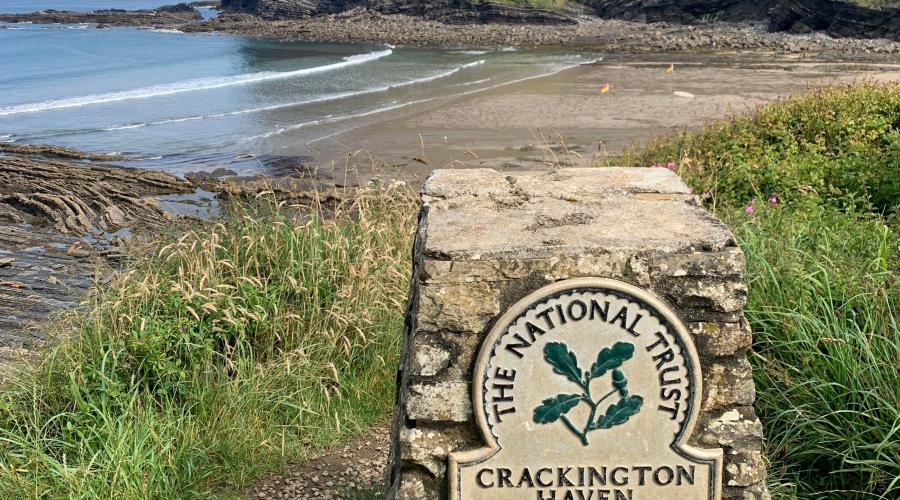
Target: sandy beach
[{"x": 510, "y": 127}]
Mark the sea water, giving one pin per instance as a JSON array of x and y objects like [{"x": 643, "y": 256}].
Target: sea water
[{"x": 184, "y": 102}]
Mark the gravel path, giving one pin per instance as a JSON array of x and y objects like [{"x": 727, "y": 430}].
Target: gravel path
[{"x": 354, "y": 471}]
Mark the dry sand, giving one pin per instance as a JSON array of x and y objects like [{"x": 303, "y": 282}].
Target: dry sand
[{"x": 504, "y": 127}]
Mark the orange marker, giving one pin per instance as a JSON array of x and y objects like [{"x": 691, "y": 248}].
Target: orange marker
[{"x": 604, "y": 88}]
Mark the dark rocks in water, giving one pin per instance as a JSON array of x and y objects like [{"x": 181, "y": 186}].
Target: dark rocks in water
[
  {"x": 75, "y": 198},
  {"x": 57, "y": 213},
  {"x": 166, "y": 15},
  {"x": 55, "y": 151},
  {"x": 837, "y": 18}
]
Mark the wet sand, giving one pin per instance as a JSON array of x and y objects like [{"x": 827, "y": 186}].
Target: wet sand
[{"x": 506, "y": 126}]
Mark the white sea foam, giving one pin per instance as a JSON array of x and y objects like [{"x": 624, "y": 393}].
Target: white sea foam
[
  {"x": 402, "y": 105},
  {"x": 326, "y": 98},
  {"x": 471, "y": 52},
  {"x": 476, "y": 82},
  {"x": 190, "y": 85}
]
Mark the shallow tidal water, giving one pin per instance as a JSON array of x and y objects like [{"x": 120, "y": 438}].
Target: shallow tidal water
[{"x": 184, "y": 102}]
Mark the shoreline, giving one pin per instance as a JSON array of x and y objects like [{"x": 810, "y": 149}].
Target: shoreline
[
  {"x": 563, "y": 119},
  {"x": 586, "y": 33},
  {"x": 539, "y": 122}
]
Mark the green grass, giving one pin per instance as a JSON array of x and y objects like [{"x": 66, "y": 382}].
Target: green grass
[
  {"x": 811, "y": 187},
  {"x": 260, "y": 339},
  {"x": 222, "y": 355}
]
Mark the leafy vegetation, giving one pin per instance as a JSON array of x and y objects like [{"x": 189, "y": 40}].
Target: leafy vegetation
[
  {"x": 811, "y": 187},
  {"x": 220, "y": 355},
  {"x": 261, "y": 338}
]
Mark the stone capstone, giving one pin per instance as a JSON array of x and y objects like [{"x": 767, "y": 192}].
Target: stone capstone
[{"x": 487, "y": 239}]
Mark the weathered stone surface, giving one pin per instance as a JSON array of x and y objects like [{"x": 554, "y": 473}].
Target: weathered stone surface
[
  {"x": 430, "y": 448},
  {"x": 417, "y": 485},
  {"x": 75, "y": 197},
  {"x": 721, "y": 339},
  {"x": 685, "y": 11},
  {"x": 745, "y": 468},
  {"x": 712, "y": 294},
  {"x": 734, "y": 427},
  {"x": 727, "y": 263},
  {"x": 429, "y": 361},
  {"x": 728, "y": 382},
  {"x": 486, "y": 240},
  {"x": 439, "y": 402},
  {"x": 530, "y": 219},
  {"x": 457, "y": 307},
  {"x": 757, "y": 491}
]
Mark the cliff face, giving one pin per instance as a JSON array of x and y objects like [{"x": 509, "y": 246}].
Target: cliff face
[
  {"x": 685, "y": 11},
  {"x": 838, "y": 18}
]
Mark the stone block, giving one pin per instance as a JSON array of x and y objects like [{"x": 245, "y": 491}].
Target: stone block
[
  {"x": 439, "y": 402},
  {"x": 459, "y": 307},
  {"x": 728, "y": 382},
  {"x": 721, "y": 339}
]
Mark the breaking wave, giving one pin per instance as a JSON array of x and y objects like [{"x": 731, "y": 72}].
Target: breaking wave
[
  {"x": 190, "y": 85},
  {"x": 325, "y": 98}
]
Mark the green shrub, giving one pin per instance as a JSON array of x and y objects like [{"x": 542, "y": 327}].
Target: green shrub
[
  {"x": 811, "y": 187},
  {"x": 221, "y": 355},
  {"x": 838, "y": 144}
]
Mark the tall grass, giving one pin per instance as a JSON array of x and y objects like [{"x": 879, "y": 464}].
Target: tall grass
[
  {"x": 219, "y": 356},
  {"x": 811, "y": 187},
  {"x": 823, "y": 304}
]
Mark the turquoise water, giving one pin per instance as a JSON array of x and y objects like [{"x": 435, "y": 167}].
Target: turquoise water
[{"x": 193, "y": 102}]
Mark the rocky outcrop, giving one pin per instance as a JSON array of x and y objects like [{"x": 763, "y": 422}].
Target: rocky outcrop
[
  {"x": 161, "y": 16},
  {"x": 839, "y": 19},
  {"x": 463, "y": 11},
  {"x": 76, "y": 198},
  {"x": 451, "y": 11},
  {"x": 683, "y": 11},
  {"x": 290, "y": 9}
]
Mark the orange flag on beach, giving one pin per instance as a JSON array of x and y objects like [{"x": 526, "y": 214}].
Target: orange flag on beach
[
  {"x": 670, "y": 68},
  {"x": 604, "y": 88}
]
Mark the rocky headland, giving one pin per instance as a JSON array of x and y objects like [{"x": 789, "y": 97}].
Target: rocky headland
[
  {"x": 785, "y": 26},
  {"x": 608, "y": 35},
  {"x": 165, "y": 16}
]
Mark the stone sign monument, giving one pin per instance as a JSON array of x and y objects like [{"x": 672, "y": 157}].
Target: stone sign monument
[{"x": 574, "y": 335}]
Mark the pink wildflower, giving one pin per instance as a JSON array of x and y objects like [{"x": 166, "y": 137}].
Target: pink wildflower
[
  {"x": 671, "y": 165},
  {"x": 749, "y": 209},
  {"x": 706, "y": 195},
  {"x": 773, "y": 200}
]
